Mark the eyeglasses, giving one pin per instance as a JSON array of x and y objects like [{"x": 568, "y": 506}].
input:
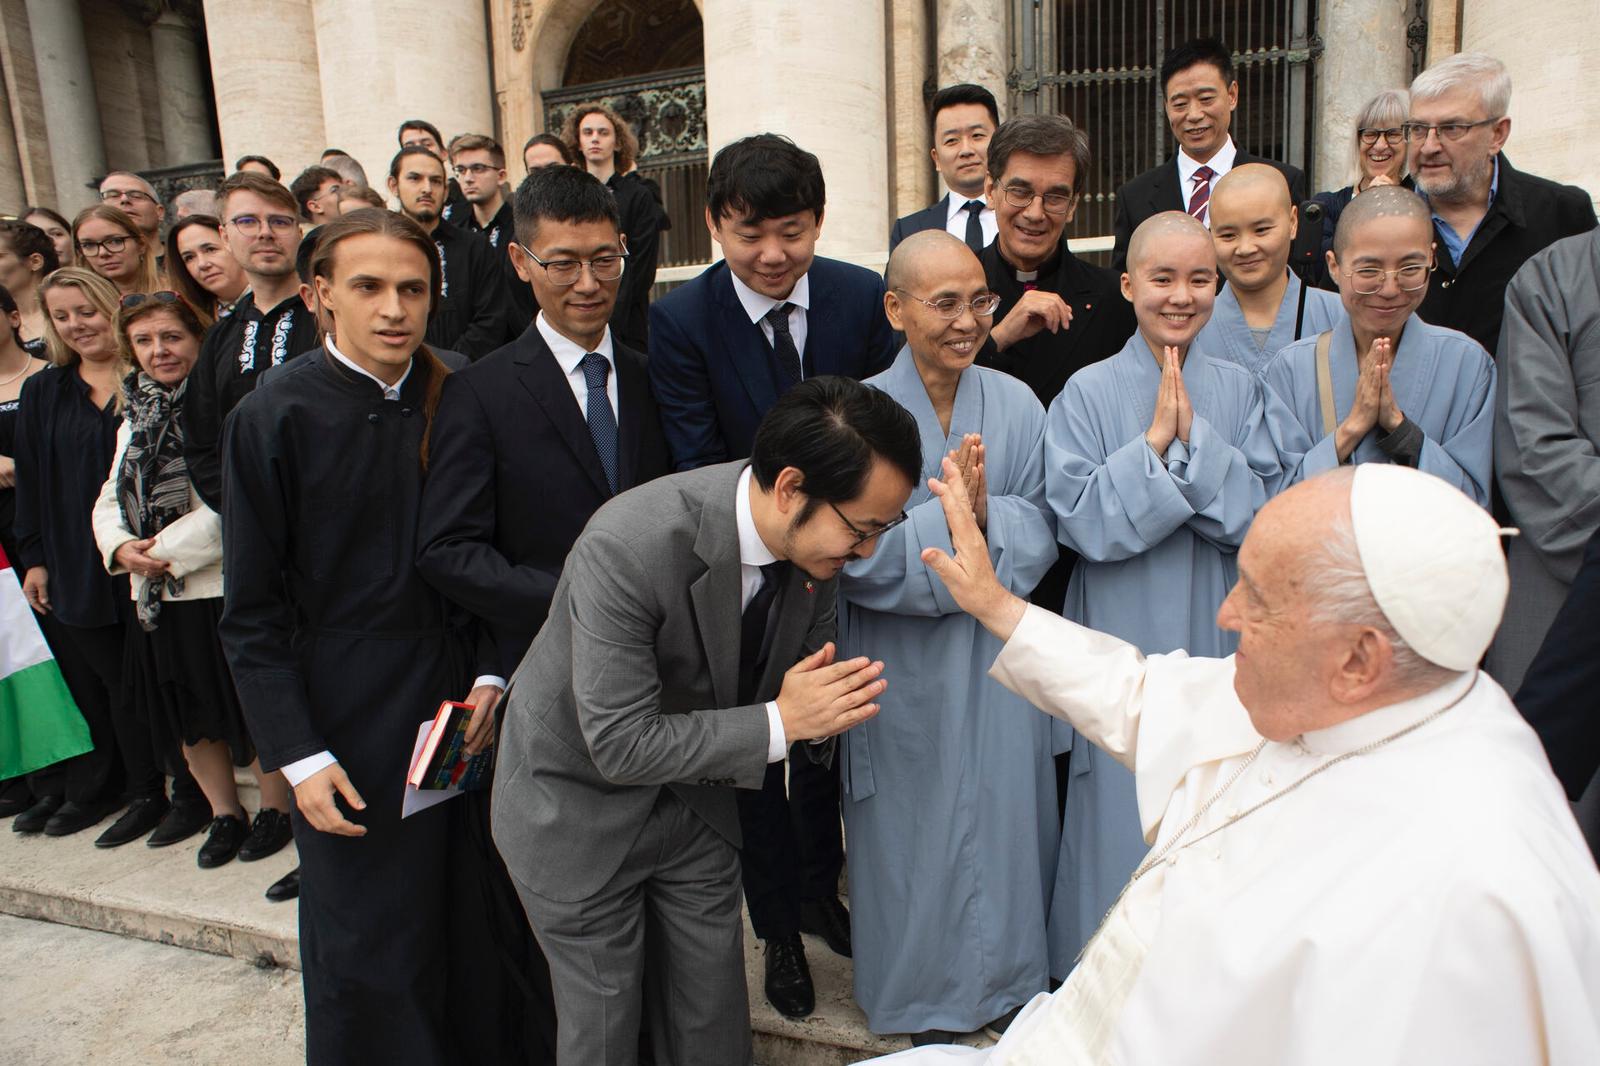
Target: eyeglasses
[
  {"x": 1368, "y": 280},
  {"x": 1392, "y": 136},
  {"x": 953, "y": 307},
  {"x": 250, "y": 225},
  {"x": 862, "y": 536},
  {"x": 137, "y": 196},
  {"x": 332, "y": 190},
  {"x": 1447, "y": 131},
  {"x": 568, "y": 271},
  {"x": 110, "y": 246},
  {"x": 1055, "y": 203},
  {"x": 134, "y": 299},
  {"x": 477, "y": 170}
]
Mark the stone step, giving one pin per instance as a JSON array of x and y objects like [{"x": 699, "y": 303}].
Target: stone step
[{"x": 161, "y": 895}]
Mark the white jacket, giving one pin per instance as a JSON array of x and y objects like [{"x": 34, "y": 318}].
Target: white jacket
[{"x": 192, "y": 544}]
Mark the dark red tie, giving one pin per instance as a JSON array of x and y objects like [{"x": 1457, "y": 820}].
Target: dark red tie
[{"x": 1202, "y": 193}]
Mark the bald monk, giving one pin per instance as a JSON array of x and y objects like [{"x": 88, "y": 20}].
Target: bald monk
[
  {"x": 1333, "y": 877},
  {"x": 1402, "y": 390},
  {"x": 1156, "y": 460},
  {"x": 949, "y": 793},
  {"x": 1263, "y": 307}
]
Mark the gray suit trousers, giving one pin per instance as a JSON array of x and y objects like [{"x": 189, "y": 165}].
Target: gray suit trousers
[{"x": 668, "y": 926}]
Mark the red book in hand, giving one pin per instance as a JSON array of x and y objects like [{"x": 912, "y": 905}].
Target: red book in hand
[{"x": 443, "y": 761}]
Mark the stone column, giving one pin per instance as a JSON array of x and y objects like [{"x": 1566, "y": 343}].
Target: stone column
[
  {"x": 66, "y": 87},
  {"x": 383, "y": 62},
  {"x": 13, "y": 194},
  {"x": 973, "y": 46},
  {"x": 911, "y": 168},
  {"x": 268, "y": 91},
  {"x": 180, "y": 86},
  {"x": 1364, "y": 52},
  {"x": 816, "y": 73}
]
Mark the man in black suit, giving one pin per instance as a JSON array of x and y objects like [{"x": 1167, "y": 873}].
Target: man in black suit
[
  {"x": 964, "y": 118},
  {"x": 1200, "y": 93},
  {"x": 723, "y": 349}
]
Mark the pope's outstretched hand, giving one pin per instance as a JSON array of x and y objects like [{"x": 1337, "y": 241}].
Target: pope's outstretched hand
[{"x": 970, "y": 575}]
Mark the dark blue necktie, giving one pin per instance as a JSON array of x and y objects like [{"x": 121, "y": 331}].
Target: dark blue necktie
[
  {"x": 783, "y": 347},
  {"x": 602, "y": 422},
  {"x": 974, "y": 210}
]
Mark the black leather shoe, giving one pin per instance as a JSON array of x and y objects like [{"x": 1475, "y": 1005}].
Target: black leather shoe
[
  {"x": 180, "y": 822},
  {"x": 13, "y": 805},
  {"x": 227, "y": 833},
  {"x": 998, "y": 1027},
  {"x": 286, "y": 887},
  {"x": 828, "y": 919},
  {"x": 141, "y": 816},
  {"x": 267, "y": 836},
  {"x": 34, "y": 818},
  {"x": 789, "y": 987},
  {"x": 932, "y": 1036},
  {"x": 72, "y": 817}
]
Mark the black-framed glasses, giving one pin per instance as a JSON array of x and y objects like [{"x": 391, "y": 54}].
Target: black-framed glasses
[
  {"x": 138, "y": 196},
  {"x": 953, "y": 306},
  {"x": 862, "y": 536},
  {"x": 565, "y": 272},
  {"x": 477, "y": 170},
  {"x": 1392, "y": 136},
  {"x": 1055, "y": 203},
  {"x": 250, "y": 225},
  {"x": 1447, "y": 131},
  {"x": 134, "y": 299},
  {"x": 1367, "y": 280},
  {"x": 111, "y": 246}
]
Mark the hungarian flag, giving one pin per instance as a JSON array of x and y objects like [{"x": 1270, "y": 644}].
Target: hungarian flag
[{"x": 39, "y": 723}]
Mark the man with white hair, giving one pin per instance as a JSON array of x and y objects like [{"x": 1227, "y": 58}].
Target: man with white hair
[
  {"x": 1488, "y": 216},
  {"x": 1360, "y": 854}
]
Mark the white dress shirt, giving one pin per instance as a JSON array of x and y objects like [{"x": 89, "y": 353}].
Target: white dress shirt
[
  {"x": 756, "y": 306},
  {"x": 955, "y": 219},
  {"x": 1220, "y": 164},
  {"x": 753, "y": 555},
  {"x": 569, "y": 355}
]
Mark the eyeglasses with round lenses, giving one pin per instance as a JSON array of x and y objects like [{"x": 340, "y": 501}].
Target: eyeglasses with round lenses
[
  {"x": 138, "y": 196},
  {"x": 1367, "y": 280},
  {"x": 953, "y": 307},
  {"x": 566, "y": 272},
  {"x": 1393, "y": 136},
  {"x": 134, "y": 299},
  {"x": 250, "y": 225},
  {"x": 864, "y": 535},
  {"x": 477, "y": 170},
  {"x": 1447, "y": 131},
  {"x": 109, "y": 246},
  {"x": 1055, "y": 203}
]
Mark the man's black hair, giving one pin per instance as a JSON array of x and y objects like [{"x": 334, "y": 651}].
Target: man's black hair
[
  {"x": 302, "y": 255},
  {"x": 554, "y": 142},
  {"x": 418, "y": 124},
  {"x": 272, "y": 168},
  {"x": 965, "y": 93},
  {"x": 408, "y": 151},
  {"x": 561, "y": 194},
  {"x": 306, "y": 185},
  {"x": 1191, "y": 53},
  {"x": 764, "y": 176},
  {"x": 830, "y": 429},
  {"x": 326, "y": 152}
]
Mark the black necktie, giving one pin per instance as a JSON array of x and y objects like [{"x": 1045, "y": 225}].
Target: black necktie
[
  {"x": 783, "y": 347},
  {"x": 753, "y": 630},
  {"x": 602, "y": 422},
  {"x": 974, "y": 210}
]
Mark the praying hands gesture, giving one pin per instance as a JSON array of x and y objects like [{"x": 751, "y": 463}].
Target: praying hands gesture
[
  {"x": 969, "y": 465},
  {"x": 969, "y": 575},
  {"x": 1374, "y": 404},
  {"x": 1174, "y": 416}
]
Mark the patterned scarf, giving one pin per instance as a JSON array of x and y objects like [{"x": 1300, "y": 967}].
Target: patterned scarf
[{"x": 153, "y": 481}]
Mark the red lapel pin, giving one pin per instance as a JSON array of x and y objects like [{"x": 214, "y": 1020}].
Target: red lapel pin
[{"x": 811, "y": 586}]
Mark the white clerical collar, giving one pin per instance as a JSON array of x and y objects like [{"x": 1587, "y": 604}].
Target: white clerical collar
[
  {"x": 1385, "y": 721},
  {"x": 958, "y": 207},
  {"x": 390, "y": 392},
  {"x": 568, "y": 353},
  {"x": 756, "y": 305},
  {"x": 1220, "y": 164},
  {"x": 753, "y": 551}
]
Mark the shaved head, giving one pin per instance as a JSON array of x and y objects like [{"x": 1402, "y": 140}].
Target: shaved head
[
  {"x": 1252, "y": 178},
  {"x": 1385, "y": 201},
  {"x": 1158, "y": 231},
  {"x": 916, "y": 257}
]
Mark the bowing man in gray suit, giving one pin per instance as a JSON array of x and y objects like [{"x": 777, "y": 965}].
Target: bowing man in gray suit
[{"x": 688, "y": 644}]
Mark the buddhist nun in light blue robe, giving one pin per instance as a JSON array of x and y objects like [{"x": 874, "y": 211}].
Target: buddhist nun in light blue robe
[
  {"x": 1229, "y": 336},
  {"x": 949, "y": 791},
  {"x": 1156, "y": 532}
]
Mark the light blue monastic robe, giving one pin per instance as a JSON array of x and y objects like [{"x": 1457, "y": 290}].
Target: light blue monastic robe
[
  {"x": 1227, "y": 335},
  {"x": 1156, "y": 540},
  {"x": 949, "y": 792},
  {"x": 1442, "y": 380}
]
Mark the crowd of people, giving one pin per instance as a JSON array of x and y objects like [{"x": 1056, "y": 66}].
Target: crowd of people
[{"x": 735, "y": 581}]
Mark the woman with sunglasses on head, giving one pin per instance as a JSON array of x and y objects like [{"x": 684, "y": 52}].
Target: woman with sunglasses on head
[
  {"x": 110, "y": 244},
  {"x": 26, "y": 255},
  {"x": 211, "y": 279},
  {"x": 66, "y": 434},
  {"x": 1380, "y": 153},
  {"x": 149, "y": 523},
  {"x": 57, "y": 228}
]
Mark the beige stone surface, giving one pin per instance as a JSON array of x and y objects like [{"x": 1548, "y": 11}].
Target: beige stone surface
[
  {"x": 1364, "y": 52},
  {"x": 973, "y": 45},
  {"x": 910, "y": 42},
  {"x": 267, "y": 86}
]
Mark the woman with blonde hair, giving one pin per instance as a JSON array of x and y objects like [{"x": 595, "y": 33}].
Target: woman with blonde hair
[
  {"x": 108, "y": 240},
  {"x": 1380, "y": 157}
]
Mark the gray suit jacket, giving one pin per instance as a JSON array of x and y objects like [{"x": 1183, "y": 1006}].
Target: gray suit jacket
[{"x": 632, "y": 685}]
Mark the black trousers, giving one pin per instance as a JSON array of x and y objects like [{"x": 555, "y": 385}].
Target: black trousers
[{"x": 793, "y": 842}]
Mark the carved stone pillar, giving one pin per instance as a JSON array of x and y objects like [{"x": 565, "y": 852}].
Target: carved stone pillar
[
  {"x": 181, "y": 85},
  {"x": 1364, "y": 51},
  {"x": 268, "y": 91},
  {"x": 66, "y": 88},
  {"x": 972, "y": 43}
]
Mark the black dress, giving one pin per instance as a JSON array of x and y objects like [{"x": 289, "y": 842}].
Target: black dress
[
  {"x": 643, "y": 219},
  {"x": 178, "y": 672},
  {"x": 9, "y": 410}
]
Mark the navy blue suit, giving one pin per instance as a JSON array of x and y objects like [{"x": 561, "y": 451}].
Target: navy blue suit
[
  {"x": 714, "y": 373},
  {"x": 928, "y": 218}
]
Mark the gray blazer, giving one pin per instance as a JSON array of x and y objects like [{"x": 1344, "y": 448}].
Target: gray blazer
[{"x": 632, "y": 685}]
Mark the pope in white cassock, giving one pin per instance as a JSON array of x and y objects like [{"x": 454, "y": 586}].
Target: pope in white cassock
[{"x": 1359, "y": 853}]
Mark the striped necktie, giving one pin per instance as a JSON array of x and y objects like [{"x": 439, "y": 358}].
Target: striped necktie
[{"x": 1202, "y": 193}]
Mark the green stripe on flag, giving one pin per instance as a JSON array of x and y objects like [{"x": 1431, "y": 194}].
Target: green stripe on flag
[{"x": 39, "y": 723}]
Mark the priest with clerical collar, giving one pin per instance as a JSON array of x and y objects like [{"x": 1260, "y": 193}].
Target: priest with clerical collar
[{"x": 1359, "y": 852}]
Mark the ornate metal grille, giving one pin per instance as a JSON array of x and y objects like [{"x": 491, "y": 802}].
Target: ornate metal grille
[
  {"x": 668, "y": 114},
  {"x": 1097, "y": 61}
]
